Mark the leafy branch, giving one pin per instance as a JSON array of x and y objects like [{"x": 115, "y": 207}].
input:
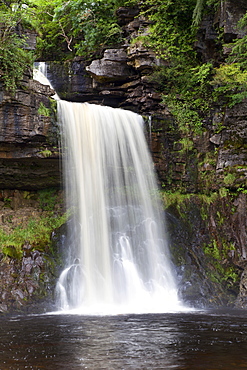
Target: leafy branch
[{"x": 14, "y": 59}]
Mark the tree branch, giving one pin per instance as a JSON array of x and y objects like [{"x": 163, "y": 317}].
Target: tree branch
[{"x": 66, "y": 37}]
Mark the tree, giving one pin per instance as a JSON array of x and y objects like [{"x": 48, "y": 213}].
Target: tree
[{"x": 14, "y": 59}]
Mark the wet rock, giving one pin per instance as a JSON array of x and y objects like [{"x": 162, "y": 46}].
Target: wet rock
[
  {"x": 31, "y": 286},
  {"x": 225, "y": 19},
  {"x": 35, "y": 254},
  {"x": 242, "y": 297},
  {"x": 27, "y": 280},
  {"x": 201, "y": 236},
  {"x": 18, "y": 294},
  {"x": 29, "y": 35}
]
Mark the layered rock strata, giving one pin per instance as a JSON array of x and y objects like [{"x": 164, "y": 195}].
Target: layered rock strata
[{"x": 28, "y": 138}]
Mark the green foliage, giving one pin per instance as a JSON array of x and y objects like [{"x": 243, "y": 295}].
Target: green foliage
[
  {"x": 184, "y": 82},
  {"x": 230, "y": 81},
  {"x": 177, "y": 200},
  {"x": 197, "y": 13},
  {"x": 223, "y": 192},
  {"x": 199, "y": 8},
  {"x": 37, "y": 233},
  {"x": 187, "y": 92},
  {"x": 223, "y": 272},
  {"x": 187, "y": 119},
  {"x": 229, "y": 179},
  {"x": 196, "y": 94},
  {"x": 47, "y": 199},
  {"x": 190, "y": 87},
  {"x": 11, "y": 252},
  {"x": 45, "y": 153},
  {"x": 14, "y": 59},
  {"x": 239, "y": 46},
  {"x": 80, "y": 27},
  {"x": 37, "y": 228},
  {"x": 43, "y": 111},
  {"x": 242, "y": 190},
  {"x": 65, "y": 28},
  {"x": 213, "y": 250},
  {"x": 170, "y": 32}
]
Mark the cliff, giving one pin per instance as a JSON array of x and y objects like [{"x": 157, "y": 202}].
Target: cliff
[
  {"x": 203, "y": 174},
  {"x": 28, "y": 138}
]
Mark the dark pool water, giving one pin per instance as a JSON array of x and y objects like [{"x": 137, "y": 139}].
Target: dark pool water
[{"x": 198, "y": 340}]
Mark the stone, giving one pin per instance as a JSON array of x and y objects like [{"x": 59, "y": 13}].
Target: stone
[
  {"x": 30, "y": 36},
  {"x": 112, "y": 67},
  {"x": 39, "y": 261},
  {"x": 3, "y": 308},
  {"x": 141, "y": 59},
  {"x": 230, "y": 13},
  {"x": 126, "y": 14},
  {"x": 216, "y": 139},
  {"x": 27, "y": 248},
  {"x": 22, "y": 283},
  {"x": 242, "y": 297},
  {"x": 27, "y": 131}
]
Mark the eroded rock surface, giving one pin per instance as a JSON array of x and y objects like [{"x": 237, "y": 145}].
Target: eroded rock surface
[
  {"x": 28, "y": 138},
  {"x": 25, "y": 280}
]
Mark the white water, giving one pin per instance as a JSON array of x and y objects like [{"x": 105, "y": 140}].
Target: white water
[
  {"x": 40, "y": 74},
  {"x": 117, "y": 257}
]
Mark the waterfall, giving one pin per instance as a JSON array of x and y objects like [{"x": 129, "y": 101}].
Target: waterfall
[
  {"x": 117, "y": 255},
  {"x": 40, "y": 74}
]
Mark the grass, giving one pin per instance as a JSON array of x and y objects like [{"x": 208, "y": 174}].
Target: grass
[{"x": 31, "y": 224}]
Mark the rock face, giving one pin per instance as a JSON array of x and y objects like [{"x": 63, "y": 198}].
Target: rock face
[
  {"x": 28, "y": 138},
  {"x": 28, "y": 279},
  {"x": 28, "y": 132},
  {"x": 208, "y": 244},
  {"x": 230, "y": 13},
  {"x": 119, "y": 79},
  {"x": 231, "y": 144}
]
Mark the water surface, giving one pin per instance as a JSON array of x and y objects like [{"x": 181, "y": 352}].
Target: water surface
[{"x": 198, "y": 340}]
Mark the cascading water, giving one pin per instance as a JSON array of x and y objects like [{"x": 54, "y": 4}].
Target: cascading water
[
  {"x": 117, "y": 260},
  {"x": 40, "y": 74},
  {"x": 117, "y": 255}
]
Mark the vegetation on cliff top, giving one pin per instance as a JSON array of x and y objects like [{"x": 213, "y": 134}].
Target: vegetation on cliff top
[
  {"x": 14, "y": 55},
  {"x": 64, "y": 29},
  {"x": 86, "y": 27}
]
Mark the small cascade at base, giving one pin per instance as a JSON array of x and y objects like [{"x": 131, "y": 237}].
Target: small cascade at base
[{"x": 117, "y": 255}]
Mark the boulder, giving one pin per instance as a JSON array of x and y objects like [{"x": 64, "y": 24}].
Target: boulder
[{"x": 112, "y": 67}]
